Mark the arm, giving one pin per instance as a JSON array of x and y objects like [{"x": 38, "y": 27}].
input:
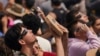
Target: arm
[
  {"x": 82, "y": 46},
  {"x": 94, "y": 41},
  {"x": 64, "y": 39},
  {"x": 59, "y": 46},
  {"x": 61, "y": 42},
  {"x": 4, "y": 23}
]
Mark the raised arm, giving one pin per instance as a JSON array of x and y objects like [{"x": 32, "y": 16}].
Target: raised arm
[{"x": 61, "y": 41}]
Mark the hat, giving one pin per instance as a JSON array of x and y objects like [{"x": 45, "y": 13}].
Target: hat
[
  {"x": 92, "y": 52},
  {"x": 53, "y": 24},
  {"x": 16, "y": 10}
]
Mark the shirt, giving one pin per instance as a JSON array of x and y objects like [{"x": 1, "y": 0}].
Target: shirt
[
  {"x": 49, "y": 54},
  {"x": 44, "y": 44},
  {"x": 44, "y": 54},
  {"x": 77, "y": 47}
]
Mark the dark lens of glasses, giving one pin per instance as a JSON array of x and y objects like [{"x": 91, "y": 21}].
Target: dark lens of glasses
[
  {"x": 78, "y": 17},
  {"x": 78, "y": 29},
  {"x": 23, "y": 33}
]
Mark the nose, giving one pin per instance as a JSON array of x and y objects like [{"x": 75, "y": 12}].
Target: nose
[{"x": 85, "y": 16}]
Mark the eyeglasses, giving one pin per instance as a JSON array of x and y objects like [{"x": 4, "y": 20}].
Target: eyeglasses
[
  {"x": 78, "y": 16},
  {"x": 78, "y": 29},
  {"x": 24, "y": 32}
]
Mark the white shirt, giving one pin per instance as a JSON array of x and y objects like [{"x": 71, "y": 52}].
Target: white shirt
[{"x": 44, "y": 44}]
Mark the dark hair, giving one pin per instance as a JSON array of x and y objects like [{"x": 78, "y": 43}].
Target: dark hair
[
  {"x": 4, "y": 50},
  {"x": 98, "y": 53},
  {"x": 93, "y": 19},
  {"x": 71, "y": 28},
  {"x": 32, "y": 22},
  {"x": 71, "y": 15},
  {"x": 19, "y": 2},
  {"x": 56, "y": 2},
  {"x": 12, "y": 36},
  {"x": 29, "y": 3},
  {"x": 69, "y": 3}
]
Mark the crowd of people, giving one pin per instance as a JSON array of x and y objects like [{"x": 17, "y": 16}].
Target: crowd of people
[{"x": 49, "y": 28}]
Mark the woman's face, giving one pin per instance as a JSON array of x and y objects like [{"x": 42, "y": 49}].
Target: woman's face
[
  {"x": 96, "y": 26},
  {"x": 82, "y": 17}
]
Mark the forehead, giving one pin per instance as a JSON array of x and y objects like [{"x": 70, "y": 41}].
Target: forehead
[
  {"x": 79, "y": 13},
  {"x": 97, "y": 21}
]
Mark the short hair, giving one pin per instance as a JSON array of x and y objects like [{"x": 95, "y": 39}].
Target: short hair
[
  {"x": 32, "y": 22},
  {"x": 12, "y": 37},
  {"x": 56, "y": 2},
  {"x": 70, "y": 16},
  {"x": 71, "y": 28},
  {"x": 29, "y": 3}
]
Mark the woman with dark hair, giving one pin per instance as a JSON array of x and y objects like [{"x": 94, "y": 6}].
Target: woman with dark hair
[{"x": 95, "y": 23}]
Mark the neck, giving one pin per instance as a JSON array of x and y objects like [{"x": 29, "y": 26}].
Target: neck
[
  {"x": 27, "y": 51},
  {"x": 27, "y": 11}
]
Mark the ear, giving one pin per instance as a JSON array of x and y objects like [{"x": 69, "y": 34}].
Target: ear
[
  {"x": 22, "y": 42},
  {"x": 76, "y": 34}
]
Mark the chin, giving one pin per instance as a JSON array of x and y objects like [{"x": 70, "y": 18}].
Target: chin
[{"x": 87, "y": 21}]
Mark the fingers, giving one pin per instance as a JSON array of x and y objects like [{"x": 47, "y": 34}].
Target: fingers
[
  {"x": 84, "y": 28},
  {"x": 65, "y": 30},
  {"x": 53, "y": 15}
]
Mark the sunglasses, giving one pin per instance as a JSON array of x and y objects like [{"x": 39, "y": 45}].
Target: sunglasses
[
  {"x": 24, "y": 32},
  {"x": 78, "y": 16},
  {"x": 78, "y": 29}
]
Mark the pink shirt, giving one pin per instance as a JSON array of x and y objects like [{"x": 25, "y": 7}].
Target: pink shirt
[{"x": 77, "y": 47}]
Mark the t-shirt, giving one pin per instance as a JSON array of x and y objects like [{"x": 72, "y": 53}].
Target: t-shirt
[
  {"x": 44, "y": 44},
  {"x": 49, "y": 54},
  {"x": 44, "y": 54}
]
